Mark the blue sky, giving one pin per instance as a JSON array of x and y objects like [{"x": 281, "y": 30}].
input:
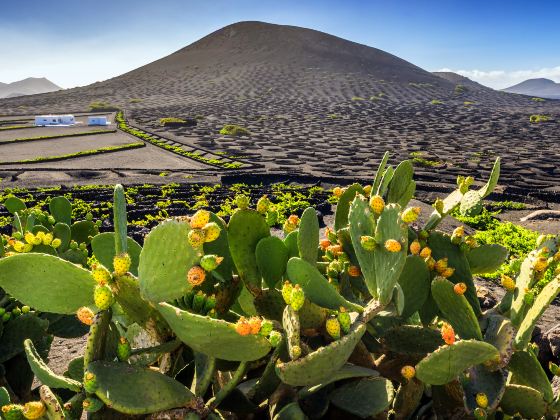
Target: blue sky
[{"x": 74, "y": 43}]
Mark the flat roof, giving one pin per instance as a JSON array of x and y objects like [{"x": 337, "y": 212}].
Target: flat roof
[{"x": 52, "y": 116}]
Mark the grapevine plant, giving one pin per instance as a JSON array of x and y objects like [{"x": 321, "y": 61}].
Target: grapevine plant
[{"x": 379, "y": 317}]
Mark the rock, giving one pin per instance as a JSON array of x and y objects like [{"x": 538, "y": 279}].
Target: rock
[{"x": 486, "y": 297}]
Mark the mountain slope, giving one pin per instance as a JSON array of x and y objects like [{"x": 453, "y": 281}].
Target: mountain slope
[
  {"x": 29, "y": 86},
  {"x": 267, "y": 63},
  {"x": 544, "y": 88}
]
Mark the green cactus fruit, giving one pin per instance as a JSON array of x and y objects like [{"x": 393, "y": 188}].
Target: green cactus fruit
[
  {"x": 332, "y": 325},
  {"x": 121, "y": 264},
  {"x": 12, "y": 412},
  {"x": 368, "y": 243},
  {"x": 275, "y": 338},
  {"x": 242, "y": 201},
  {"x": 92, "y": 404},
  {"x": 410, "y": 214},
  {"x": 210, "y": 262},
  {"x": 344, "y": 320},
  {"x": 287, "y": 289},
  {"x": 209, "y": 304},
  {"x": 90, "y": 382},
  {"x": 198, "y": 301},
  {"x": 103, "y": 297},
  {"x": 34, "y": 410},
  {"x": 196, "y": 238},
  {"x": 263, "y": 204},
  {"x": 100, "y": 274},
  {"x": 297, "y": 297},
  {"x": 211, "y": 231},
  {"x": 123, "y": 349},
  {"x": 199, "y": 219},
  {"x": 266, "y": 328}
]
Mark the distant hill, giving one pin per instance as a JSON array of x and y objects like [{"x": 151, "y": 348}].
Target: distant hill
[
  {"x": 544, "y": 88},
  {"x": 29, "y": 86},
  {"x": 270, "y": 64}
]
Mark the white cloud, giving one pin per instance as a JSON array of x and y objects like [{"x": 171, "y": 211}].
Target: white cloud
[{"x": 500, "y": 79}]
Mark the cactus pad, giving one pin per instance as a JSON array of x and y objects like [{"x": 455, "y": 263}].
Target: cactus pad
[
  {"x": 17, "y": 330},
  {"x": 220, "y": 247},
  {"x": 402, "y": 187},
  {"x": 137, "y": 390},
  {"x": 523, "y": 400},
  {"x": 308, "y": 237},
  {"x": 471, "y": 204},
  {"x": 456, "y": 309},
  {"x": 214, "y": 337},
  {"x": 245, "y": 229},
  {"x": 351, "y": 396},
  {"x": 447, "y": 363},
  {"x": 44, "y": 374},
  {"x": 165, "y": 261},
  {"x": 486, "y": 258},
  {"x": 480, "y": 379},
  {"x": 527, "y": 370},
  {"x": 61, "y": 209},
  {"x": 103, "y": 246},
  {"x": 443, "y": 248},
  {"x": 51, "y": 284},
  {"x": 316, "y": 287},
  {"x": 411, "y": 339},
  {"x": 321, "y": 364},
  {"x": 345, "y": 372},
  {"x": 343, "y": 206},
  {"x": 543, "y": 300},
  {"x": 389, "y": 265},
  {"x": 272, "y": 256},
  {"x": 362, "y": 223},
  {"x": 415, "y": 284},
  {"x": 500, "y": 332}
]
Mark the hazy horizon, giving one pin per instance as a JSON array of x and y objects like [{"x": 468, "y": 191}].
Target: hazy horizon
[{"x": 75, "y": 44}]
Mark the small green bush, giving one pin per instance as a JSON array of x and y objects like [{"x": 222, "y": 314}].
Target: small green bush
[
  {"x": 102, "y": 107},
  {"x": 234, "y": 130},
  {"x": 536, "y": 118},
  {"x": 538, "y": 99},
  {"x": 460, "y": 89},
  {"x": 171, "y": 121},
  {"x": 436, "y": 102},
  {"x": 358, "y": 98}
]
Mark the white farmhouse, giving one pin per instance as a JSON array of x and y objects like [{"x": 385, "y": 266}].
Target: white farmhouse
[
  {"x": 44, "y": 120},
  {"x": 98, "y": 120}
]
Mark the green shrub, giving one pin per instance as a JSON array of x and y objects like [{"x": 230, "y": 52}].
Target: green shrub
[
  {"x": 436, "y": 102},
  {"x": 538, "y": 99},
  {"x": 536, "y": 118},
  {"x": 103, "y": 107},
  {"x": 170, "y": 121},
  {"x": 234, "y": 130},
  {"x": 460, "y": 89}
]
